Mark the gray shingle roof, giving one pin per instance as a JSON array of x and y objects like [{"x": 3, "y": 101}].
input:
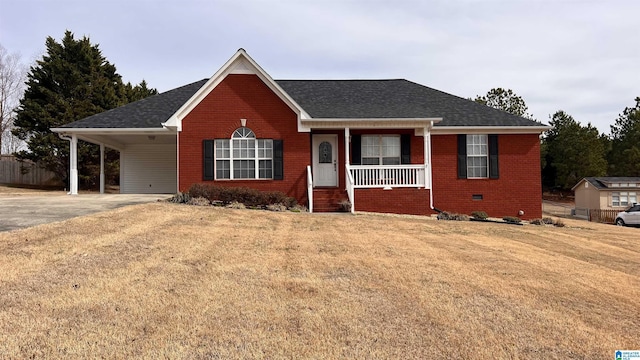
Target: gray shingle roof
[
  {"x": 146, "y": 113},
  {"x": 602, "y": 181},
  {"x": 344, "y": 99},
  {"x": 393, "y": 99}
]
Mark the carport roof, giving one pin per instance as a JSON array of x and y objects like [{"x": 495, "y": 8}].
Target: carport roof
[
  {"x": 149, "y": 112},
  {"x": 326, "y": 99}
]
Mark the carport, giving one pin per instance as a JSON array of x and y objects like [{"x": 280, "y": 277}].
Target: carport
[
  {"x": 148, "y": 157},
  {"x": 148, "y": 149}
]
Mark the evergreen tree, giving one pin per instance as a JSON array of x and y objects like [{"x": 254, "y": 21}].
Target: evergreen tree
[
  {"x": 571, "y": 152},
  {"x": 73, "y": 80},
  {"x": 505, "y": 100},
  {"x": 624, "y": 158}
]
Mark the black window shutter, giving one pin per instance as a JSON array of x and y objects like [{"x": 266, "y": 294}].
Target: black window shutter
[
  {"x": 494, "y": 172},
  {"x": 356, "y": 150},
  {"x": 462, "y": 156},
  {"x": 405, "y": 149},
  {"x": 207, "y": 174},
  {"x": 278, "y": 162}
]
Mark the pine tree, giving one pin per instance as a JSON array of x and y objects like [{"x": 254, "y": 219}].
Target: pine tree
[
  {"x": 624, "y": 158},
  {"x": 73, "y": 80},
  {"x": 572, "y": 151}
]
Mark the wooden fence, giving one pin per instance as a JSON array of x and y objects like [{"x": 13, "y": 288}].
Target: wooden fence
[
  {"x": 603, "y": 216},
  {"x": 13, "y": 171}
]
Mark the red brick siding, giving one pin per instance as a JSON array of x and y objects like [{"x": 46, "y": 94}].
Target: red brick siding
[
  {"x": 397, "y": 201},
  {"x": 218, "y": 115},
  {"x": 518, "y": 188}
]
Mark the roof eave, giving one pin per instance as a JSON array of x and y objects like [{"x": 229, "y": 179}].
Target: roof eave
[
  {"x": 121, "y": 131},
  {"x": 449, "y": 130}
]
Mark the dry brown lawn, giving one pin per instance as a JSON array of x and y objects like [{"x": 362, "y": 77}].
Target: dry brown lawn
[{"x": 173, "y": 281}]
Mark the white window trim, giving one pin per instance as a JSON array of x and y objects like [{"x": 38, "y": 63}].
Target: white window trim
[
  {"x": 231, "y": 158},
  {"x": 628, "y": 195},
  {"x": 380, "y": 157},
  {"x": 486, "y": 156}
]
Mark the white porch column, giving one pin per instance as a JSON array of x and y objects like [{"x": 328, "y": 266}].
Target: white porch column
[
  {"x": 347, "y": 147},
  {"x": 101, "y": 168},
  {"x": 73, "y": 166}
]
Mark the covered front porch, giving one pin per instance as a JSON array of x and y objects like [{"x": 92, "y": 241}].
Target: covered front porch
[{"x": 378, "y": 154}]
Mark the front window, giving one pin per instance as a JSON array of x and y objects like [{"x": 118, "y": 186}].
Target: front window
[
  {"x": 477, "y": 156},
  {"x": 623, "y": 198},
  {"x": 380, "y": 150},
  {"x": 243, "y": 156}
]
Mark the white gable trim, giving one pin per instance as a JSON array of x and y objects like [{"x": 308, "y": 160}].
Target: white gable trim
[{"x": 239, "y": 63}]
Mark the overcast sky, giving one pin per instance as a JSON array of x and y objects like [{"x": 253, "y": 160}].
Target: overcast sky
[{"x": 581, "y": 56}]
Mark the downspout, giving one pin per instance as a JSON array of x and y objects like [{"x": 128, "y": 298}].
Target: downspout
[{"x": 427, "y": 133}]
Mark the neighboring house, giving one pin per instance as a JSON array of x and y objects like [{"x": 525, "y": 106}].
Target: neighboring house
[
  {"x": 605, "y": 193},
  {"x": 385, "y": 145}
]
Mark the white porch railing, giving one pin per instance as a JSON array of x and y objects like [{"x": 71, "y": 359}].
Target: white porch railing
[
  {"x": 350, "y": 187},
  {"x": 310, "y": 188},
  {"x": 383, "y": 176}
]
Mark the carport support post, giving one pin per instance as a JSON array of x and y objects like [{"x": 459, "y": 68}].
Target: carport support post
[
  {"x": 101, "y": 168},
  {"x": 73, "y": 171}
]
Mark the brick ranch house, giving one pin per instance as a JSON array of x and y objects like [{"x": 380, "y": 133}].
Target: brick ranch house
[{"x": 385, "y": 145}]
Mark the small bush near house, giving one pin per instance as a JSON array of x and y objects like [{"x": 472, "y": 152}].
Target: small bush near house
[
  {"x": 179, "y": 198},
  {"x": 246, "y": 196},
  {"x": 276, "y": 207},
  {"x": 345, "y": 206},
  {"x": 547, "y": 220},
  {"x": 479, "y": 215},
  {"x": 452, "y": 216},
  {"x": 536, "y": 222},
  {"x": 512, "y": 219},
  {"x": 236, "y": 205},
  {"x": 558, "y": 223},
  {"x": 199, "y": 201}
]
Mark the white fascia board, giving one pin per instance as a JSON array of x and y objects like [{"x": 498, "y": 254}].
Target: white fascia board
[
  {"x": 450, "y": 130},
  {"x": 175, "y": 121},
  {"x": 390, "y": 123},
  {"x": 111, "y": 144},
  {"x": 119, "y": 131}
]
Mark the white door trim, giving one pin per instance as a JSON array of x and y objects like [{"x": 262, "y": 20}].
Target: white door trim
[{"x": 325, "y": 174}]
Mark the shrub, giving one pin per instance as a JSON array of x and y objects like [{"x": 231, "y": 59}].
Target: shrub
[
  {"x": 547, "y": 220},
  {"x": 345, "y": 205},
  {"x": 460, "y": 217},
  {"x": 199, "y": 201},
  {"x": 179, "y": 198},
  {"x": 452, "y": 216},
  {"x": 512, "y": 219},
  {"x": 479, "y": 215},
  {"x": 536, "y": 222},
  {"x": 236, "y": 205},
  {"x": 276, "y": 207},
  {"x": 558, "y": 223},
  {"x": 247, "y": 196}
]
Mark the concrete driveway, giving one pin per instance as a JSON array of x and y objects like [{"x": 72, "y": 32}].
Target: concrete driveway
[{"x": 25, "y": 210}]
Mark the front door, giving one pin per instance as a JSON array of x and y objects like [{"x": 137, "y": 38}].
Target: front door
[{"x": 325, "y": 160}]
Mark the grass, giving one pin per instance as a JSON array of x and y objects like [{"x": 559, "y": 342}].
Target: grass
[{"x": 174, "y": 281}]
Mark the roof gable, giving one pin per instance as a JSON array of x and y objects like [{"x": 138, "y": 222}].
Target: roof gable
[{"x": 239, "y": 63}]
